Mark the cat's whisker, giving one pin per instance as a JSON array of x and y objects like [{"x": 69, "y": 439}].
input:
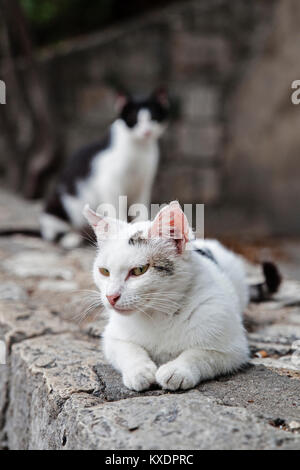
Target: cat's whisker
[
  {"x": 163, "y": 308},
  {"x": 92, "y": 243},
  {"x": 163, "y": 305},
  {"x": 156, "y": 305},
  {"x": 143, "y": 311},
  {"x": 162, "y": 300},
  {"x": 163, "y": 294},
  {"x": 93, "y": 300},
  {"x": 82, "y": 316},
  {"x": 88, "y": 293}
]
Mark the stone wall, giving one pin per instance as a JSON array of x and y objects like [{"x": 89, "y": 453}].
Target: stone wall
[{"x": 228, "y": 65}]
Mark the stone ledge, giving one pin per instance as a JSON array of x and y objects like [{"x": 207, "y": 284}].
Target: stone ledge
[
  {"x": 57, "y": 392},
  {"x": 63, "y": 395},
  {"x": 60, "y": 393}
]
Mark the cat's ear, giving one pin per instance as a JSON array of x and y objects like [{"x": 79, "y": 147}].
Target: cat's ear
[
  {"x": 171, "y": 222},
  {"x": 122, "y": 99},
  {"x": 91, "y": 216},
  {"x": 161, "y": 96},
  {"x": 104, "y": 227}
]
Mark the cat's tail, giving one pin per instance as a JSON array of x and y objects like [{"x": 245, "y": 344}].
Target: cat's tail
[{"x": 264, "y": 290}]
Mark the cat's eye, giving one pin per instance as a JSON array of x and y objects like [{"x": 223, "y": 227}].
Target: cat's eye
[
  {"x": 139, "y": 270},
  {"x": 104, "y": 272}
]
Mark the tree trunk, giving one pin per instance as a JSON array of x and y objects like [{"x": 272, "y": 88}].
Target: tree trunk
[{"x": 34, "y": 153}]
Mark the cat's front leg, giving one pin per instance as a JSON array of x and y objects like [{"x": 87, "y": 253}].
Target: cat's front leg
[
  {"x": 177, "y": 374},
  {"x": 137, "y": 369},
  {"x": 192, "y": 366}
]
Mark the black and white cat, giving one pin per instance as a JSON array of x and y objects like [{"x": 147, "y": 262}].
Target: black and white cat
[{"x": 125, "y": 163}]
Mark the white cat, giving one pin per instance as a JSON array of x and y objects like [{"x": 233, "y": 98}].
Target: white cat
[
  {"x": 125, "y": 163},
  {"x": 175, "y": 306}
]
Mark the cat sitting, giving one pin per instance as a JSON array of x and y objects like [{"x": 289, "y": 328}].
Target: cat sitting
[
  {"x": 174, "y": 304},
  {"x": 124, "y": 163}
]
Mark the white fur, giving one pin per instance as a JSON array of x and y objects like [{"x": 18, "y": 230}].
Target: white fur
[
  {"x": 51, "y": 226},
  {"x": 176, "y": 330},
  {"x": 232, "y": 264}
]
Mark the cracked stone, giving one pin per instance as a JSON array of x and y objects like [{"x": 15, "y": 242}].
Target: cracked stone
[
  {"x": 19, "y": 322},
  {"x": 263, "y": 391},
  {"x": 171, "y": 421},
  {"x": 65, "y": 363}
]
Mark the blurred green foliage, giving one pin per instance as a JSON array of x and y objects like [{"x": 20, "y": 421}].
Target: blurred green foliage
[{"x": 54, "y": 20}]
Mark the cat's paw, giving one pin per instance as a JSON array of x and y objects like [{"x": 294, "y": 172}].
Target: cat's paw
[
  {"x": 140, "y": 377},
  {"x": 174, "y": 376}
]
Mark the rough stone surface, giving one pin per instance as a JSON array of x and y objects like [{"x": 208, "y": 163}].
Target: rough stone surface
[
  {"x": 57, "y": 391},
  {"x": 188, "y": 421},
  {"x": 16, "y": 213},
  {"x": 11, "y": 291}
]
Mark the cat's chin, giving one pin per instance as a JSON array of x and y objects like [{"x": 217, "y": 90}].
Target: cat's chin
[
  {"x": 122, "y": 311},
  {"x": 144, "y": 139}
]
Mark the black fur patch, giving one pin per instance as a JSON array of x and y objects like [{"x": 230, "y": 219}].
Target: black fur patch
[
  {"x": 164, "y": 266},
  {"x": 263, "y": 291},
  {"x": 160, "y": 264},
  {"x": 207, "y": 253},
  {"x": 272, "y": 276},
  {"x": 129, "y": 113},
  {"x": 55, "y": 207},
  {"x": 78, "y": 167}
]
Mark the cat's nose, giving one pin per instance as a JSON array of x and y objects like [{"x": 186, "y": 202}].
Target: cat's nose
[
  {"x": 113, "y": 299},
  {"x": 147, "y": 133}
]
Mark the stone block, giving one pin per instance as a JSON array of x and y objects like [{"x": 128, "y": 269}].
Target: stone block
[
  {"x": 187, "y": 184},
  {"x": 193, "y": 53},
  {"x": 201, "y": 142},
  {"x": 200, "y": 103}
]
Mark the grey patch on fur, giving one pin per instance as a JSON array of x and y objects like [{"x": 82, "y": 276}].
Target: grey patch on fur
[
  {"x": 207, "y": 253},
  {"x": 137, "y": 239},
  {"x": 164, "y": 266}
]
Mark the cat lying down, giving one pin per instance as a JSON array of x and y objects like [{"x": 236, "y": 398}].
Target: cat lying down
[{"x": 174, "y": 304}]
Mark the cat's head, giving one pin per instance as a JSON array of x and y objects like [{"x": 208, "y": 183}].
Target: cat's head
[
  {"x": 141, "y": 267},
  {"x": 145, "y": 119}
]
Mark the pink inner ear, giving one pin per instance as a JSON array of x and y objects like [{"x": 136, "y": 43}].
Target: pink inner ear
[
  {"x": 120, "y": 102},
  {"x": 162, "y": 96},
  {"x": 171, "y": 223},
  {"x": 91, "y": 216},
  {"x": 101, "y": 228}
]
